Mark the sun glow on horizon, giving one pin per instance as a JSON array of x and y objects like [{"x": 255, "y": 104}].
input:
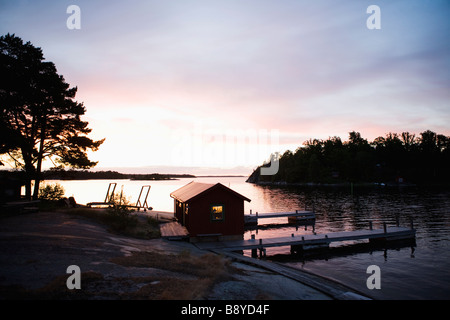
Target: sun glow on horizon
[{"x": 153, "y": 75}]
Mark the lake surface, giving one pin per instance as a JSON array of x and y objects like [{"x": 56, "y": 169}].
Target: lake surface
[{"x": 419, "y": 270}]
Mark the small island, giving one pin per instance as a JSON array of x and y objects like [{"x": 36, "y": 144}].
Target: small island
[{"x": 396, "y": 159}]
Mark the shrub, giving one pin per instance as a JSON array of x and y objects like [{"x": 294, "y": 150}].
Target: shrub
[
  {"x": 51, "y": 192},
  {"x": 120, "y": 219}
]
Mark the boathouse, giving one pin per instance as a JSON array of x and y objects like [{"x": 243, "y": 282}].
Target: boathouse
[{"x": 210, "y": 211}]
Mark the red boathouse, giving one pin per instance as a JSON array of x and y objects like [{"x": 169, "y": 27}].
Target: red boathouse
[{"x": 210, "y": 211}]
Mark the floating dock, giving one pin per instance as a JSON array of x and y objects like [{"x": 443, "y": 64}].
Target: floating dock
[
  {"x": 305, "y": 242},
  {"x": 297, "y": 216}
]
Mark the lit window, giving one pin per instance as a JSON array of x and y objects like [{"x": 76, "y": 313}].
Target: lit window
[{"x": 217, "y": 213}]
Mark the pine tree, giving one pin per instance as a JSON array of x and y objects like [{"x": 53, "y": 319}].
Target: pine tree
[{"x": 39, "y": 118}]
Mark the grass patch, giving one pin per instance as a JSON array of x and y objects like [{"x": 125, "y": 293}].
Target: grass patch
[
  {"x": 121, "y": 221},
  {"x": 204, "y": 272},
  {"x": 55, "y": 290},
  {"x": 207, "y": 265},
  {"x": 175, "y": 289},
  {"x": 208, "y": 270},
  {"x": 94, "y": 286}
]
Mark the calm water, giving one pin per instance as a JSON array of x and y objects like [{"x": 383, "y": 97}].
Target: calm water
[{"x": 419, "y": 270}]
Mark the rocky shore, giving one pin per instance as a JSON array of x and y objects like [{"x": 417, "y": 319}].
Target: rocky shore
[{"x": 36, "y": 250}]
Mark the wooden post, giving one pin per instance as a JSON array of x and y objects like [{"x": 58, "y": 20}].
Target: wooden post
[
  {"x": 397, "y": 222},
  {"x": 370, "y": 225},
  {"x": 260, "y": 248},
  {"x": 411, "y": 223},
  {"x": 250, "y": 211},
  {"x": 262, "y": 252},
  {"x": 384, "y": 227},
  {"x": 254, "y": 251}
]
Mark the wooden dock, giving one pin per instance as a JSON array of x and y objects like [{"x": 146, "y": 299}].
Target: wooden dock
[
  {"x": 173, "y": 231},
  {"x": 305, "y": 242},
  {"x": 297, "y": 215}
]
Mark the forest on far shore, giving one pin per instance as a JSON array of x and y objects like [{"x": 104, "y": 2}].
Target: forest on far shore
[{"x": 396, "y": 158}]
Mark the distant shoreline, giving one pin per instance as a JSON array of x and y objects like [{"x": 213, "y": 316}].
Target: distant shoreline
[
  {"x": 222, "y": 176},
  {"x": 113, "y": 175},
  {"x": 99, "y": 175},
  {"x": 350, "y": 185}
]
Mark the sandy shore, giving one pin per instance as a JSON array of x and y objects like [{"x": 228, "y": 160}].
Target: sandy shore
[{"x": 37, "y": 248}]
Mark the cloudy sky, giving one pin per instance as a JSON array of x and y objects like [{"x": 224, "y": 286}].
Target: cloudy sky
[{"x": 224, "y": 83}]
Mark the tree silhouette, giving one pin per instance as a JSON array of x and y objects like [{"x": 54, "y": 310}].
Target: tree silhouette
[{"x": 39, "y": 118}]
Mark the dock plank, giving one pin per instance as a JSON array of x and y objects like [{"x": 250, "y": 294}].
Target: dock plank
[
  {"x": 300, "y": 215},
  {"x": 173, "y": 231}
]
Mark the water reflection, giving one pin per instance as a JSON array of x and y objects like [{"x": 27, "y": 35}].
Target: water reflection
[{"x": 416, "y": 270}]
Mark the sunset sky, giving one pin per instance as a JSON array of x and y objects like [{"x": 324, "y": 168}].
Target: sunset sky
[{"x": 220, "y": 84}]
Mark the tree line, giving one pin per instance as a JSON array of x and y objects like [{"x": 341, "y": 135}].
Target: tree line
[{"x": 394, "y": 158}]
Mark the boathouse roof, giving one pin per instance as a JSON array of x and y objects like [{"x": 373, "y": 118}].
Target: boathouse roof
[{"x": 195, "y": 189}]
